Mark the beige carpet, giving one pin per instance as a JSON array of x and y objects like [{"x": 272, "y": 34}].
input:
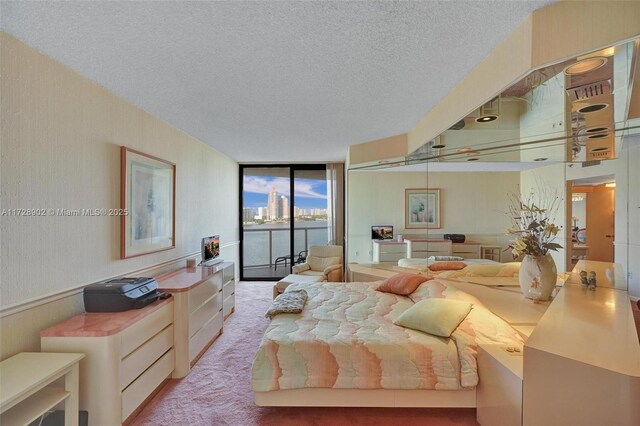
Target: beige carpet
[{"x": 218, "y": 389}]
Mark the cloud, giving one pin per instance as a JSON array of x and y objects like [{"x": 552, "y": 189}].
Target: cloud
[{"x": 304, "y": 188}]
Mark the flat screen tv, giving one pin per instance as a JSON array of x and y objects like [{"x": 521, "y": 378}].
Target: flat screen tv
[
  {"x": 382, "y": 232},
  {"x": 210, "y": 249}
]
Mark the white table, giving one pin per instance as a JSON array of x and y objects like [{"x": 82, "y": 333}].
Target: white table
[{"x": 24, "y": 392}]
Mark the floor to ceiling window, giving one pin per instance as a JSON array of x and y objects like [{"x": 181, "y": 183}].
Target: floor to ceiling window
[{"x": 283, "y": 212}]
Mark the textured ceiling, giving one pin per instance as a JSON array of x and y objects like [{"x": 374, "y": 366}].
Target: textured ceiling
[{"x": 273, "y": 81}]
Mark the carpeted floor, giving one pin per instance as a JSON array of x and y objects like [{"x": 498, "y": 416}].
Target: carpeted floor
[{"x": 218, "y": 389}]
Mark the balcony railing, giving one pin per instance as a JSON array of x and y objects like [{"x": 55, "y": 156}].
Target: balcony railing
[{"x": 277, "y": 241}]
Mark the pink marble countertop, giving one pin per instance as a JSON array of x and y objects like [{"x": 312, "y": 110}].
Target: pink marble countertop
[
  {"x": 98, "y": 324},
  {"x": 184, "y": 279}
]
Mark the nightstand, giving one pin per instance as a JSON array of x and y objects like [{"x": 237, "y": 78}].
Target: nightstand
[{"x": 499, "y": 391}]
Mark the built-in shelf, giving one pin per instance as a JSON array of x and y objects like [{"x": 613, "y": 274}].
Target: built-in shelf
[{"x": 33, "y": 407}]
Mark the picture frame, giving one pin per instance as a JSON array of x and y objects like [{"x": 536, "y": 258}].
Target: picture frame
[
  {"x": 147, "y": 198},
  {"x": 422, "y": 208}
]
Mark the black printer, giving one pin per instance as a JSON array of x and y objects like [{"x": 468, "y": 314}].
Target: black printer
[
  {"x": 455, "y": 238},
  {"x": 121, "y": 294}
]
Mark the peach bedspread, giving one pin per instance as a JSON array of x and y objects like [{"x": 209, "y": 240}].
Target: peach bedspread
[{"x": 345, "y": 338}]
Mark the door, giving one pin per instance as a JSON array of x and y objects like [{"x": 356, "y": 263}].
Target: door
[
  {"x": 283, "y": 212},
  {"x": 266, "y": 244},
  {"x": 600, "y": 220}
]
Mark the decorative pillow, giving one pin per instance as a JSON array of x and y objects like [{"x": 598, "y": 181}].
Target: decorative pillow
[
  {"x": 494, "y": 270},
  {"x": 448, "y": 266},
  {"x": 321, "y": 263},
  {"x": 290, "y": 302},
  {"x": 402, "y": 284},
  {"x": 445, "y": 258},
  {"x": 439, "y": 317}
]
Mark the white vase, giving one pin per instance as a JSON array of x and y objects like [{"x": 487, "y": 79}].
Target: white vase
[{"x": 538, "y": 276}]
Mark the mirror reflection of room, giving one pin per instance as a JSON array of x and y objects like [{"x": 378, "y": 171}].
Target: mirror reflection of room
[{"x": 593, "y": 219}]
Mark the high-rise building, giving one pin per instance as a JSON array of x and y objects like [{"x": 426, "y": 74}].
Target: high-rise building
[
  {"x": 278, "y": 205},
  {"x": 248, "y": 215}
]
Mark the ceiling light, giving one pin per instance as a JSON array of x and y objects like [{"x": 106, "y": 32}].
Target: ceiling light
[
  {"x": 596, "y": 129},
  {"x": 592, "y": 108},
  {"x": 464, "y": 149},
  {"x": 585, "y": 65},
  {"x": 487, "y": 118},
  {"x": 610, "y": 185},
  {"x": 541, "y": 159},
  {"x": 472, "y": 159},
  {"x": 598, "y": 136}
]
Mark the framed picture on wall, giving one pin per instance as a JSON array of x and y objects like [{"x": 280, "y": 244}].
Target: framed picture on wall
[
  {"x": 421, "y": 208},
  {"x": 147, "y": 195}
]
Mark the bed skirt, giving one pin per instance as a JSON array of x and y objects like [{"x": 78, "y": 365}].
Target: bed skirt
[{"x": 325, "y": 397}]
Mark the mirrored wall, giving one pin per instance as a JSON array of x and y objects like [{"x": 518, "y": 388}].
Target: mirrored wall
[{"x": 564, "y": 138}]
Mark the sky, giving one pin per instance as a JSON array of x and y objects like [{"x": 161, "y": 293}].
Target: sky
[{"x": 309, "y": 193}]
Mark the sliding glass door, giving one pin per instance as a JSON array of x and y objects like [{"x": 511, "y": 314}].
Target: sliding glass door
[{"x": 283, "y": 212}]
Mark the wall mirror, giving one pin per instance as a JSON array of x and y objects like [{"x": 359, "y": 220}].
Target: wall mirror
[{"x": 561, "y": 135}]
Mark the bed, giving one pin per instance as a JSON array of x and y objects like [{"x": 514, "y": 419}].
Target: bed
[{"x": 345, "y": 350}]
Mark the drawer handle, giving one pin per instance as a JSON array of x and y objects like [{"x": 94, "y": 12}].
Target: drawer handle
[
  {"x": 220, "y": 291},
  {"x": 220, "y": 310}
]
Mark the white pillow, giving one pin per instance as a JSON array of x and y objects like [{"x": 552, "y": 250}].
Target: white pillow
[
  {"x": 439, "y": 317},
  {"x": 321, "y": 263},
  {"x": 444, "y": 258}
]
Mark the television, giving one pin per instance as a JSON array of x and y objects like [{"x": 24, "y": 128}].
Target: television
[
  {"x": 210, "y": 250},
  {"x": 382, "y": 232}
]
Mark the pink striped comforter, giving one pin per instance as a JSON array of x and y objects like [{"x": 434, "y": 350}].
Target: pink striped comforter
[{"x": 345, "y": 338}]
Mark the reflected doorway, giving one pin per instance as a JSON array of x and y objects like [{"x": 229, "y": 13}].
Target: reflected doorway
[{"x": 593, "y": 219}]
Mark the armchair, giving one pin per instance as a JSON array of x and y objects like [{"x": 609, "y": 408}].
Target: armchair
[{"x": 324, "y": 261}]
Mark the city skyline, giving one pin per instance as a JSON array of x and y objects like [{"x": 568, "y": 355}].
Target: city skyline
[{"x": 309, "y": 193}]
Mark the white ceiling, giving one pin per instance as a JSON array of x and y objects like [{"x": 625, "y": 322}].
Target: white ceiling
[{"x": 273, "y": 81}]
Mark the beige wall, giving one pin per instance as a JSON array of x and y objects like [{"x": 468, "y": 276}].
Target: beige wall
[
  {"x": 61, "y": 138},
  {"x": 472, "y": 203},
  {"x": 541, "y": 186}
]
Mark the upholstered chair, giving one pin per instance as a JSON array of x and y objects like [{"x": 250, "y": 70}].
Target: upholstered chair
[{"x": 324, "y": 261}]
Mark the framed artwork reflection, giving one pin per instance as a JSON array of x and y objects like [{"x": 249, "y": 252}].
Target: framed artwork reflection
[
  {"x": 147, "y": 194},
  {"x": 422, "y": 208}
]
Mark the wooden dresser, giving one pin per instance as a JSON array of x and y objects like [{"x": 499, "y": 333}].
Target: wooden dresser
[
  {"x": 204, "y": 296},
  {"x": 128, "y": 356}
]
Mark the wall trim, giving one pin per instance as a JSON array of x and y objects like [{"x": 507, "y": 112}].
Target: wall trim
[
  {"x": 15, "y": 308},
  {"x": 52, "y": 297}
]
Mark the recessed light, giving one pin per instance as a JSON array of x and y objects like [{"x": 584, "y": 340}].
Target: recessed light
[
  {"x": 486, "y": 118},
  {"x": 602, "y": 148},
  {"x": 438, "y": 146},
  {"x": 472, "y": 159},
  {"x": 585, "y": 65},
  {"x": 592, "y": 108},
  {"x": 541, "y": 159},
  {"x": 598, "y": 136},
  {"x": 596, "y": 129},
  {"x": 464, "y": 149}
]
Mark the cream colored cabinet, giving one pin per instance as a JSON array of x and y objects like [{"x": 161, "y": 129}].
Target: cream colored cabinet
[
  {"x": 499, "y": 391},
  {"x": 203, "y": 297},
  {"x": 228, "y": 289},
  {"x": 423, "y": 248},
  {"x": 466, "y": 250},
  {"x": 128, "y": 355},
  {"x": 388, "y": 251},
  {"x": 491, "y": 253}
]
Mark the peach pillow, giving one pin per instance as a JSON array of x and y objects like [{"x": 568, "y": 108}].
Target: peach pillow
[
  {"x": 402, "y": 284},
  {"x": 447, "y": 266}
]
